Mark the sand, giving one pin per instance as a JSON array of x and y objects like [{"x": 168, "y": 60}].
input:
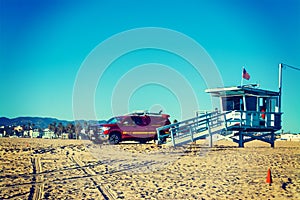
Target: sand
[{"x": 74, "y": 169}]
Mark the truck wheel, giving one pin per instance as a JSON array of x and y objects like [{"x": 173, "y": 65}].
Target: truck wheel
[
  {"x": 143, "y": 141},
  {"x": 114, "y": 138}
]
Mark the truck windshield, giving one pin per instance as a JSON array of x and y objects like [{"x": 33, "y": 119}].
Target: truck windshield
[{"x": 114, "y": 120}]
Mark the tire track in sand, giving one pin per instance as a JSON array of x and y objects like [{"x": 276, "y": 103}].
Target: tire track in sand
[
  {"x": 37, "y": 189},
  {"x": 103, "y": 191}
]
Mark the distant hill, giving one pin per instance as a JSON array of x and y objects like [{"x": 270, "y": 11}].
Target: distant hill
[{"x": 38, "y": 121}]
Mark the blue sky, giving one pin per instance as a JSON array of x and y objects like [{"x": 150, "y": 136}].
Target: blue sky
[{"x": 44, "y": 43}]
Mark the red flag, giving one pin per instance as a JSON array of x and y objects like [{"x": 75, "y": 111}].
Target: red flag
[{"x": 245, "y": 74}]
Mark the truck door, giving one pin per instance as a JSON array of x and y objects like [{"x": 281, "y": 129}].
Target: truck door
[{"x": 141, "y": 126}]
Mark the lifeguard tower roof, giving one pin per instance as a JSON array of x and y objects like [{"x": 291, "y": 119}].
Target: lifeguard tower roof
[{"x": 249, "y": 90}]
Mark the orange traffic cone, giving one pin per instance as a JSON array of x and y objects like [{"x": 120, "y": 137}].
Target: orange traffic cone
[{"x": 269, "y": 177}]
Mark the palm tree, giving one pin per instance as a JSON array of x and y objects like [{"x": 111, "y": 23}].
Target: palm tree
[
  {"x": 78, "y": 128},
  {"x": 50, "y": 127},
  {"x": 60, "y": 128},
  {"x": 85, "y": 126},
  {"x": 55, "y": 128},
  {"x": 29, "y": 126},
  {"x": 70, "y": 130}
]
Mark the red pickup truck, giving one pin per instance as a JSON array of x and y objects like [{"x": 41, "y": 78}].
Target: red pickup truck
[{"x": 139, "y": 127}]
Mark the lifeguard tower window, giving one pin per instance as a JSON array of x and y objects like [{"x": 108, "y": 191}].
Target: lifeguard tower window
[
  {"x": 237, "y": 103},
  {"x": 232, "y": 103},
  {"x": 262, "y": 104},
  {"x": 251, "y": 103},
  {"x": 271, "y": 104}
]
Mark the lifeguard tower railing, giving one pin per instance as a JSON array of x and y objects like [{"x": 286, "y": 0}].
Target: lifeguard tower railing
[
  {"x": 228, "y": 124},
  {"x": 249, "y": 120}
]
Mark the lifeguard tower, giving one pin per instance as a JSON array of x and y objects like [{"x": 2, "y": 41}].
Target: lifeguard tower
[
  {"x": 247, "y": 113},
  {"x": 250, "y": 113}
]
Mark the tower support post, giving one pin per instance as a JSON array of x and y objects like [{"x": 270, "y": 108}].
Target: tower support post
[
  {"x": 272, "y": 139},
  {"x": 241, "y": 139}
]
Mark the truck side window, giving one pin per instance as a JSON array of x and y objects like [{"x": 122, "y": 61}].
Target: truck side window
[{"x": 141, "y": 120}]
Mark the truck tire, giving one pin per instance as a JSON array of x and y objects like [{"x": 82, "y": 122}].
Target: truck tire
[
  {"x": 143, "y": 141},
  {"x": 114, "y": 138}
]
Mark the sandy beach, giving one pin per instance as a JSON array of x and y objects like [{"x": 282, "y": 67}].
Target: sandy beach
[{"x": 77, "y": 169}]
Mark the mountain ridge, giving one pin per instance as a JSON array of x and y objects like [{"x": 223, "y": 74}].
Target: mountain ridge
[{"x": 40, "y": 122}]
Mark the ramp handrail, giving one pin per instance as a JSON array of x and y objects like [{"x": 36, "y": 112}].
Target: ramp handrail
[{"x": 193, "y": 125}]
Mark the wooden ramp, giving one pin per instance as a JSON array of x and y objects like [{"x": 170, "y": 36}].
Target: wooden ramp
[
  {"x": 234, "y": 125},
  {"x": 196, "y": 128},
  {"x": 191, "y": 137}
]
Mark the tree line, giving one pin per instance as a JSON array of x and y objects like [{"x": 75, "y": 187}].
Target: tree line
[{"x": 72, "y": 129}]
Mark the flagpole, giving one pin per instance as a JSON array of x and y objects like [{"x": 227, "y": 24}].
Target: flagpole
[{"x": 242, "y": 77}]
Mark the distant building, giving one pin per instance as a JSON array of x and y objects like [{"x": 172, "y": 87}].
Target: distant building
[
  {"x": 18, "y": 128},
  {"x": 2, "y": 131},
  {"x": 290, "y": 137},
  {"x": 47, "y": 134},
  {"x": 27, "y": 133},
  {"x": 64, "y": 136},
  {"x": 36, "y": 133}
]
